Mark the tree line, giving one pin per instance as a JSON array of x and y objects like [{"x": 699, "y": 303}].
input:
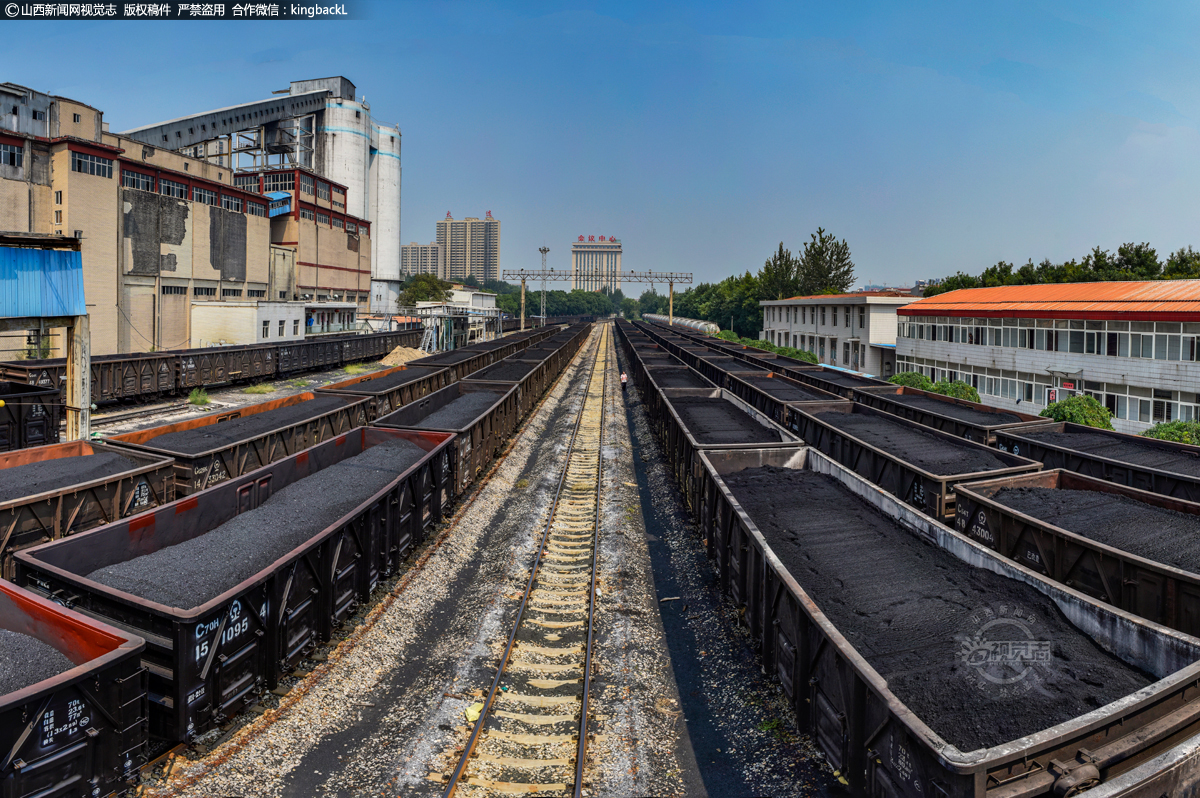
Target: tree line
[
  {"x": 822, "y": 266},
  {"x": 1130, "y": 262}
]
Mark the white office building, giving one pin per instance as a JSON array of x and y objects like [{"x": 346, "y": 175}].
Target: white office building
[
  {"x": 596, "y": 265},
  {"x": 855, "y": 331}
]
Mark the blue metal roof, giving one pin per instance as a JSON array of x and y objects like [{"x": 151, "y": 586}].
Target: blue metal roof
[
  {"x": 281, "y": 203},
  {"x": 40, "y": 283}
]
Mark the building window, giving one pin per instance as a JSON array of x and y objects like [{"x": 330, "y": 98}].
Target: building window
[
  {"x": 78, "y": 119},
  {"x": 306, "y": 183},
  {"x": 256, "y": 209},
  {"x": 231, "y": 293},
  {"x": 351, "y": 227},
  {"x": 174, "y": 290},
  {"x": 91, "y": 164},
  {"x": 58, "y": 198},
  {"x": 58, "y": 217},
  {"x": 11, "y": 156},
  {"x": 141, "y": 182},
  {"x": 204, "y": 291},
  {"x": 204, "y": 196},
  {"x": 338, "y": 223},
  {"x": 281, "y": 323},
  {"x": 307, "y": 213},
  {"x": 339, "y": 199},
  {"x": 822, "y": 316},
  {"x": 323, "y": 218},
  {"x": 246, "y": 183},
  {"x": 38, "y": 115},
  {"x": 231, "y": 203},
  {"x": 295, "y": 326},
  {"x": 266, "y": 329},
  {"x": 169, "y": 188},
  {"x": 862, "y": 318},
  {"x": 279, "y": 181},
  {"x": 322, "y": 190},
  {"x": 256, "y": 293}
]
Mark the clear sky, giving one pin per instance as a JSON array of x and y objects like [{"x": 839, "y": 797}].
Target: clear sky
[{"x": 932, "y": 137}]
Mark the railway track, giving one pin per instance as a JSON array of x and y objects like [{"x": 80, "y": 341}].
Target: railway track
[{"x": 531, "y": 733}]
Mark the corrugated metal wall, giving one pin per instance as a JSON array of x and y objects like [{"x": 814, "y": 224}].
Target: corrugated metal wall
[{"x": 40, "y": 282}]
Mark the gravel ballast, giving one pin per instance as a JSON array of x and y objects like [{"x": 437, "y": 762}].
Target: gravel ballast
[
  {"x": 960, "y": 412},
  {"x": 27, "y": 661},
  {"x": 227, "y": 433},
  {"x": 1126, "y": 451},
  {"x": 1156, "y": 533},
  {"x": 783, "y": 391},
  {"x": 927, "y": 452},
  {"x": 715, "y": 420},
  {"x": 390, "y": 381},
  {"x": 461, "y": 412},
  {"x": 198, "y": 570},
  {"x": 909, "y": 608},
  {"x": 34, "y": 478}
]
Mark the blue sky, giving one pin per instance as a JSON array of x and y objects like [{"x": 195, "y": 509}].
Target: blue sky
[{"x": 932, "y": 137}]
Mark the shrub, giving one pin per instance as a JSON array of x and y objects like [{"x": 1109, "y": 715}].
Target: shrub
[
  {"x": 198, "y": 396},
  {"x": 1177, "y": 431},
  {"x": 263, "y": 388},
  {"x": 957, "y": 389},
  {"x": 912, "y": 379},
  {"x": 1080, "y": 410},
  {"x": 728, "y": 335}
]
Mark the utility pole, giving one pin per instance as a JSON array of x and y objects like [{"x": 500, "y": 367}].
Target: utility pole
[
  {"x": 545, "y": 250},
  {"x": 522, "y": 300}
]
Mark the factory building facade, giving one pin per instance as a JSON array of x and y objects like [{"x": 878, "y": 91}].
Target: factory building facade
[
  {"x": 163, "y": 232},
  {"x": 319, "y": 126},
  {"x": 471, "y": 247},
  {"x": 596, "y": 265},
  {"x": 1134, "y": 346}
]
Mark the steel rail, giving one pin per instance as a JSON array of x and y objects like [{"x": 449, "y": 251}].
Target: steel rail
[{"x": 489, "y": 701}]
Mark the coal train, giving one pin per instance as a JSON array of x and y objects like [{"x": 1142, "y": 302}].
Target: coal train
[
  {"x": 876, "y": 497},
  {"x": 136, "y": 670}
]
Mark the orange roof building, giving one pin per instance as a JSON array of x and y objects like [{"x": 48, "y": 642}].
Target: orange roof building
[
  {"x": 1155, "y": 300},
  {"x": 1133, "y": 346}
]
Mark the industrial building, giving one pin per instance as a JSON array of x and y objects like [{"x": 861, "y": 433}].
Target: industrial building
[
  {"x": 423, "y": 259},
  {"x": 321, "y": 127},
  {"x": 470, "y": 247},
  {"x": 596, "y": 265},
  {"x": 855, "y": 331},
  {"x": 1131, "y": 345},
  {"x": 163, "y": 232}
]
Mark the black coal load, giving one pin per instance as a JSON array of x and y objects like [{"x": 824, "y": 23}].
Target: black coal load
[
  {"x": 677, "y": 378},
  {"x": 25, "y": 660},
  {"x": 778, "y": 389},
  {"x": 914, "y": 610},
  {"x": 198, "y": 570},
  {"x": 841, "y": 378},
  {"x": 34, "y": 478},
  {"x": 390, "y": 381},
  {"x": 715, "y": 420},
  {"x": 461, "y": 412},
  {"x": 956, "y": 411},
  {"x": 449, "y": 358},
  {"x": 506, "y": 371},
  {"x": 1127, "y": 451},
  {"x": 1156, "y": 533},
  {"x": 925, "y": 451},
  {"x": 227, "y": 433},
  {"x": 728, "y": 363}
]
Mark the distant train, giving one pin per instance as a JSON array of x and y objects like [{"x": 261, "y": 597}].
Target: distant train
[{"x": 688, "y": 324}]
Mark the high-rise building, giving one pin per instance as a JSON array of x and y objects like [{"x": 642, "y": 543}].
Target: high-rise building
[
  {"x": 321, "y": 126},
  {"x": 471, "y": 247},
  {"x": 423, "y": 259},
  {"x": 596, "y": 265}
]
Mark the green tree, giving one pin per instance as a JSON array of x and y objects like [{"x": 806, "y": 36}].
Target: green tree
[
  {"x": 424, "y": 288},
  {"x": 912, "y": 379},
  {"x": 778, "y": 277},
  {"x": 629, "y": 308},
  {"x": 1183, "y": 264},
  {"x": 1083, "y": 410},
  {"x": 825, "y": 266}
]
